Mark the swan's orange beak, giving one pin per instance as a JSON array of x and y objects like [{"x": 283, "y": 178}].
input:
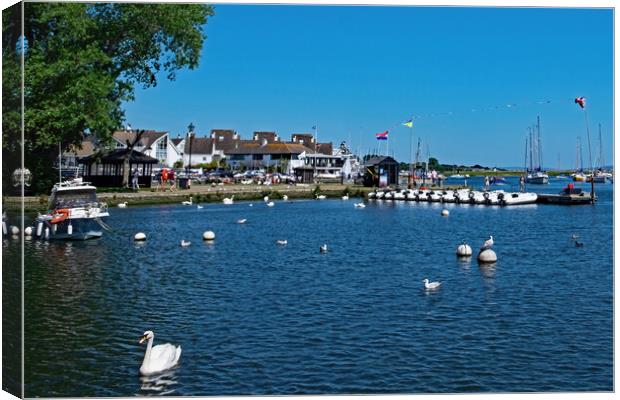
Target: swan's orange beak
[{"x": 142, "y": 339}]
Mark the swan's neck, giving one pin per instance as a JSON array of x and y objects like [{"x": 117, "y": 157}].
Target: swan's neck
[{"x": 147, "y": 355}]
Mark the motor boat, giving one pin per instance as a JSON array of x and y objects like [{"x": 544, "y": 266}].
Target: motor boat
[{"x": 507, "y": 199}]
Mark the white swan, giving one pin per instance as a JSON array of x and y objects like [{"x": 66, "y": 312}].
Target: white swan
[
  {"x": 241, "y": 221},
  {"x": 199, "y": 207},
  {"x": 251, "y": 205},
  {"x": 345, "y": 197},
  {"x": 266, "y": 198},
  {"x": 184, "y": 243},
  {"x": 285, "y": 197},
  {"x": 229, "y": 200},
  {"x": 323, "y": 248},
  {"x": 488, "y": 244},
  {"x": 158, "y": 358},
  {"x": 282, "y": 242},
  {"x": 270, "y": 204},
  {"x": 122, "y": 205},
  {"x": 320, "y": 197},
  {"x": 187, "y": 203},
  {"x": 431, "y": 285},
  {"x": 360, "y": 205}
]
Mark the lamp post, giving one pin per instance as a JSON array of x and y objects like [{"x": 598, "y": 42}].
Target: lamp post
[{"x": 190, "y": 133}]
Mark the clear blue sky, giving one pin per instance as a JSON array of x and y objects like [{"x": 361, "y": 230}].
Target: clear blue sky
[{"x": 356, "y": 71}]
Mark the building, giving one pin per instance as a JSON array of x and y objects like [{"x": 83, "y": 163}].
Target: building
[
  {"x": 381, "y": 171},
  {"x": 106, "y": 168},
  {"x": 283, "y": 156},
  {"x": 156, "y": 144}
]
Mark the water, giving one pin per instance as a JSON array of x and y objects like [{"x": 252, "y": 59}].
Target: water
[{"x": 256, "y": 318}]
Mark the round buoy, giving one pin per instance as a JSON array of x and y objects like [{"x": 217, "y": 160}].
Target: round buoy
[
  {"x": 139, "y": 236},
  {"x": 445, "y": 213},
  {"x": 28, "y": 231},
  {"x": 487, "y": 256},
  {"x": 14, "y": 230},
  {"x": 208, "y": 235},
  {"x": 463, "y": 250}
]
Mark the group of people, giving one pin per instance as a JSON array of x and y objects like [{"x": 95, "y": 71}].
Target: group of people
[{"x": 166, "y": 177}]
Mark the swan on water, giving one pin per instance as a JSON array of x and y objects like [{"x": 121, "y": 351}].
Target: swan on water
[
  {"x": 430, "y": 285},
  {"x": 270, "y": 204},
  {"x": 345, "y": 197},
  {"x": 360, "y": 205},
  {"x": 320, "y": 197},
  {"x": 241, "y": 221},
  {"x": 488, "y": 244},
  {"x": 282, "y": 242},
  {"x": 199, "y": 207},
  {"x": 229, "y": 200},
  {"x": 184, "y": 243},
  {"x": 251, "y": 205},
  {"x": 266, "y": 198},
  {"x": 122, "y": 205},
  {"x": 323, "y": 248},
  {"x": 158, "y": 358},
  {"x": 187, "y": 203},
  {"x": 285, "y": 197}
]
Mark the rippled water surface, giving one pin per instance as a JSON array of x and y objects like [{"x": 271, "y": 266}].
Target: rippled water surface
[{"x": 256, "y": 318}]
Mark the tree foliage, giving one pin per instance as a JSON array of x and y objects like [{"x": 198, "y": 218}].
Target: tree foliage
[{"x": 81, "y": 62}]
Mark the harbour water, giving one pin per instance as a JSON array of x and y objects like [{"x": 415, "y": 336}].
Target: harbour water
[{"x": 256, "y": 318}]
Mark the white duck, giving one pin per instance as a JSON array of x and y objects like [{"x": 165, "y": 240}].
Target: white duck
[
  {"x": 158, "y": 358},
  {"x": 184, "y": 243},
  {"x": 229, "y": 200},
  {"x": 122, "y": 205},
  {"x": 282, "y": 242},
  {"x": 431, "y": 285},
  {"x": 241, "y": 221},
  {"x": 488, "y": 244},
  {"x": 187, "y": 203},
  {"x": 270, "y": 204},
  {"x": 323, "y": 248}
]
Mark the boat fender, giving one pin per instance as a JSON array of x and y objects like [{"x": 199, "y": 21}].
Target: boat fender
[
  {"x": 4, "y": 230},
  {"x": 47, "y": 232},
  {"x": 500, "y": 196},
  {"x": 61, "y": 215},
  {"x": 486, "y": 195},
  {"x": 54, "y": 228},
  {"x": 39, "y": 228},
  {"x": 28, "y": 231},
  {"x": 471, "y": 195},
  {"x": 70, "y": 230}
]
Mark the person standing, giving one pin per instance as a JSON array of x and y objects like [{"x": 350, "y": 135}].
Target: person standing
[
  {"x": 134, "y": 179},
  {"x": 171, "y": 179}
]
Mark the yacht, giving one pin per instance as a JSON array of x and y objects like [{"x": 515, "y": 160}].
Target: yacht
[{"x": 74, "y": 213}]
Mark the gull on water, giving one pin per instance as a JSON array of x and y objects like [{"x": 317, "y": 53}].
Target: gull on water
[
  {"x": 184, "y": 243},
  {"x": 282, "y": 242},
  {"x": 323, "y": 248},
  {"x": 430, "y": 285},
  {"x": 241, "y": 221},
  {"x": 270, "y": 204}
]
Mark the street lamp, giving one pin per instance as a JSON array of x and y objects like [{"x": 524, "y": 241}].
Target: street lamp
[{"x": 190, "y": 133}]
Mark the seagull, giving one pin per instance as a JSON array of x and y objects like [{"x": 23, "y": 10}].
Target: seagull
[
  {"x": 282, "y": 242},
  {"x": 199, "y": 207},
  {"x": 578, "y": 244},
  {"x": 323, "y": 248},
  {"x": 122, "y": 205},
  {"x": 270, "y": 204},
  {"x": 241, "y": 221},
  {"x": 187, "y": 203},
  {"x": 184, "y": 243},
  {"x": 488, "y": 244},
  {"x": 285, "y": 197},
  {"x": 158, "y": 358},
  {"x": 431, "y": 285},
  {"x": 574, "y": 236}
]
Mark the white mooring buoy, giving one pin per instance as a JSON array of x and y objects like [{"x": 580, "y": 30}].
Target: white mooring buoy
[
  {"x": 28, "y": 231},
  {"x": 464, "y": 250},
  {"x": 139, "y": 236},
  {"x": 208, "y": 235},
  {"x": 445, "y": 213},
  {"x": 487, "y": 256},
  {"x": 14, "y": 230}
]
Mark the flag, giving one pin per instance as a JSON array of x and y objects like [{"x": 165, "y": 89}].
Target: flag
[
  {"x": 382, "y": 135},
  {"x": 581, "y": 101},
  {"x": 409, "y": 123}
]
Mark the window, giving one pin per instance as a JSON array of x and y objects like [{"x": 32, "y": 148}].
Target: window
[
  {"x": 237, "y": 157},
  {"x": 257, "y": 156},
  {"x": 276, "y": 156},
  {"x": 162, "y": 147}
]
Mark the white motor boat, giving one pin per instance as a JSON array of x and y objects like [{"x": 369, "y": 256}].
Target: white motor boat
[
  {"x": 477, "y": 197},
  {"x": 434, "y": 196},
  {"x": 389, "y": 195},
  {"x": 380, "y": 195},
  {"x": 73, "y": 212},
  {"x": 400, "y": 195},
  {"x": 447, "y": 196},
  {"x": 508, "y": 198},
  {"x": 411, "y": 194},
  {"x": 422, "y": 195},
  {"x": 461, "y": 196},
  {"x": 372, "y": 195},
  {"x": 494, "y": 197}
]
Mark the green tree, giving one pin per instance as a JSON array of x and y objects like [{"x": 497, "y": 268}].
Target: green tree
[{"x": 81, "y": 62}]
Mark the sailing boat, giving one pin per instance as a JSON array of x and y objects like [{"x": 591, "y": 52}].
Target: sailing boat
[
  {"x": 599, "y": 176},
  {"x": 535, "y": 174},
  {"x": 579, "y": 176}
]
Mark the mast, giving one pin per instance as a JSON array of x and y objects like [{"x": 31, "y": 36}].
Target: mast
[
  {"x": 601, "y": 159},
  {"x": 417, "y": 154},
  {"x": 59, "y": 163},
  {"x": 531, "y": 150},
  {"x": 525, "y": 161},
  {"x": 540, "y": 168}
]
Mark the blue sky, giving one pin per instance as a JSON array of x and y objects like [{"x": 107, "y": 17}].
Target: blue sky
[{"x": 356, "y": 71}]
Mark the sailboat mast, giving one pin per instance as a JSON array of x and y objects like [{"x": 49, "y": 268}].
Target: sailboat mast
[
  {"x": 601, "y": 159},
  {"x": 531, "y": 150},
  {"x": 540, "y": 168}
]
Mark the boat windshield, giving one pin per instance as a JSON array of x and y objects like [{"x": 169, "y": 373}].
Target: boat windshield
[{"x": 72, "y": 198}]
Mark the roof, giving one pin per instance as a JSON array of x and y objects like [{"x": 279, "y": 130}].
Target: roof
[
  {"x": 117, "y": 156},
  {"x": 324, "y": 148},
  {"x": 269, "y": 136},
  {"x": 380, "y": 160},
  {"x": 254, "y": 147},
  {"x": 176, "y": 141},
  {"x": 146, "y": 140}
]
